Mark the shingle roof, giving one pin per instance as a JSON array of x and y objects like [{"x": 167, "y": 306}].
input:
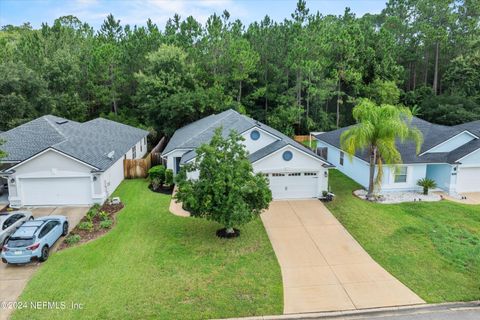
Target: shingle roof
[
  {"x": 433, "y": 135},
  {"x": 89, "y": 142},
  {"x": 272, "y": 147},
  {"x": 201, "y": 131}
]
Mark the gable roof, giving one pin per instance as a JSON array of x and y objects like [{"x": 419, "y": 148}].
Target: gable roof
[
  {"x": 199, "y": 132},
  {"x": 89, "y": 142},
  {"x": 433, "y": 135}
]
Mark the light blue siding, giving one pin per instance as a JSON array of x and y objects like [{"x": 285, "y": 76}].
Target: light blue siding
[
  {"x": 442, "y": 174},
  {"x": 359, "y": 170},
  {"x": 472, "y": 159},
  {"x": 414, "y": 173},
  {"x": 453, "y": 143},
  {"x": 356, "y": 169}
]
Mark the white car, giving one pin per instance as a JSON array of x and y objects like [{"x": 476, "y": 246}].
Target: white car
[{"x": 10, "y": 222}]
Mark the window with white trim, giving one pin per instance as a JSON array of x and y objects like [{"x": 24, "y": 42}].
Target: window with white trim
[
  {"x": 400, "y": 175},
  {"x": 310, "y": 174},
  {"x": 342, "y": 157},
  {"x": 295, "y": 174},
  {"x": 134, "y": 152},
  {"x": 278, "y": 174}
]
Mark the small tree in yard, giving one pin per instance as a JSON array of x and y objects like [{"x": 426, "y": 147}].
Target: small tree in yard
[
  {"x": 226, "y": 191},
  {"x": 426, "y": 184}
]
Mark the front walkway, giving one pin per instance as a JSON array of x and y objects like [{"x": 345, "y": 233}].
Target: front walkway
[
  {"x": 323, "y": 266},
  {"x": 14, "y": 278},
  {"x": 176, "y": 207}
]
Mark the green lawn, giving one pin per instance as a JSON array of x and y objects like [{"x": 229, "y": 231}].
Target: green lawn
[
  {"x": 307, "y": 144},
  {"x": 433, "y": 248},
  {"x": 156, "y": 265}
]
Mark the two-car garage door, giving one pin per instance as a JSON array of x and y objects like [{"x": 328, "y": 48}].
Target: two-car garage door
[
  {"x": 468, "y": 179},
  {"x": 56, "y": 191},
  {"x": 294, "y": 185}
]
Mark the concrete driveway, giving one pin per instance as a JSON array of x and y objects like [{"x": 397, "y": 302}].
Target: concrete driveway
[
  {"x": 471, "y": 197},
  {"x": 323, "y": 266},
  {"x": 13, "y": 278}
]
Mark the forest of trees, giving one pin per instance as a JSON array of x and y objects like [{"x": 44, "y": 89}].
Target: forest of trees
[{"x": 298, "y": 75}]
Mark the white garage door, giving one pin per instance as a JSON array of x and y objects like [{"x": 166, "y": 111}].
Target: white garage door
[
  {"x": 294, "y": 185},
  {"x": 468, "y": 179},
  {"x": 56, "y": 191}
]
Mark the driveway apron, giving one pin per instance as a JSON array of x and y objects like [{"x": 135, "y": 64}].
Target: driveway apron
[
  {"x": 14, "y": 278},
  {"x": 323, "y": 266}
]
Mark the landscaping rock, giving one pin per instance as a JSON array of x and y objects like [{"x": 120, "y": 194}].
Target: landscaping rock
[{"x": 399, "y": 196}]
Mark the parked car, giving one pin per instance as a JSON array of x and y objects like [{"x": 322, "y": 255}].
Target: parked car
[
  {"x": 34, "y": 239},
  {"x": 9, "y": 223}
]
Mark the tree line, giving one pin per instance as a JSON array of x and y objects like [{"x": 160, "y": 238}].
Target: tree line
[{"x": 298, "y": 75}]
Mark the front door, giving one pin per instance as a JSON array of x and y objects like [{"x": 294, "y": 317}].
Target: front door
[{"x": 177, "y": 164}]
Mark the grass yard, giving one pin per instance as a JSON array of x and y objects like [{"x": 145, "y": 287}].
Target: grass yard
[
  {"x": 154, "y": 265},
  {"x": 307, "y": 144},
  {"x": 433, "y": 248}
]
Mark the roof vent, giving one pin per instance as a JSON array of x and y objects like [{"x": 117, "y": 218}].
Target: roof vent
[
  {"x": 61, "y": 121},
  {"x": 110, "y": 155}
]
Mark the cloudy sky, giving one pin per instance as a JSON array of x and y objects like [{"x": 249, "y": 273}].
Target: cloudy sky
[{"x": 136, "y": 12}]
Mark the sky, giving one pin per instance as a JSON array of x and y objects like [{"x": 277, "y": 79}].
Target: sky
[{"x": 136, "y": 12}]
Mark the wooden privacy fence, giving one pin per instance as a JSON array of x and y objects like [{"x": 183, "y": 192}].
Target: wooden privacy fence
[
  {"x": 138, "y": 168},
  {"x": 301, "y": 138}
]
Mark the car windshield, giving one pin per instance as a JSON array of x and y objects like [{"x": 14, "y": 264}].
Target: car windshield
[{"x": 19, "y": 242}]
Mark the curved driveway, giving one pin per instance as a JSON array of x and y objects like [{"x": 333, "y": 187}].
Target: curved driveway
[{"x": 323, "y": 266}]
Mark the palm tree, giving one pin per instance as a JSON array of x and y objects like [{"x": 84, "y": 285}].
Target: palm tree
[{"x": 378, "y": 128}]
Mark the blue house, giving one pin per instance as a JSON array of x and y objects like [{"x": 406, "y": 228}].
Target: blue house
[{"x": 450, "y": 155}]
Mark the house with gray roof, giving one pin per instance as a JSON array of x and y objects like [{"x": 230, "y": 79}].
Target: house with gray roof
[
  {"x": 56, "y": 161},
  {"x": 293, "y": 170},
  {"x": 450, "y": 155}
]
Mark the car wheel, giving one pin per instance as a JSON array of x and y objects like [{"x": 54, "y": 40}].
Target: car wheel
[
  {"x": 45, "y": 252},
  {"x": 65, "y": 229}
]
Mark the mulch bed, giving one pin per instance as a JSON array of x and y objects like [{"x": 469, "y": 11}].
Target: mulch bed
[
  {"x": 163, "y": 190},
  {"x": 97, "y": 232}
]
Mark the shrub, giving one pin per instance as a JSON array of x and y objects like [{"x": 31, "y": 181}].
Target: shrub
[
  {"x": 103, "y": 215},
  {"x": 426, "y": 184},
  {"x": 86, "y": 225},
  {"x": 106, "y": 224},
  {"x": 72, "y": 239},
  {"x": 169, "y": 177},
  {"x": 92, "y": 213},
  {"x": 156, "y": 175}
]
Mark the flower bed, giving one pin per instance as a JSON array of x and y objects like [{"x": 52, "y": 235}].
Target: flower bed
[{"x": 97, "y": 222}]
